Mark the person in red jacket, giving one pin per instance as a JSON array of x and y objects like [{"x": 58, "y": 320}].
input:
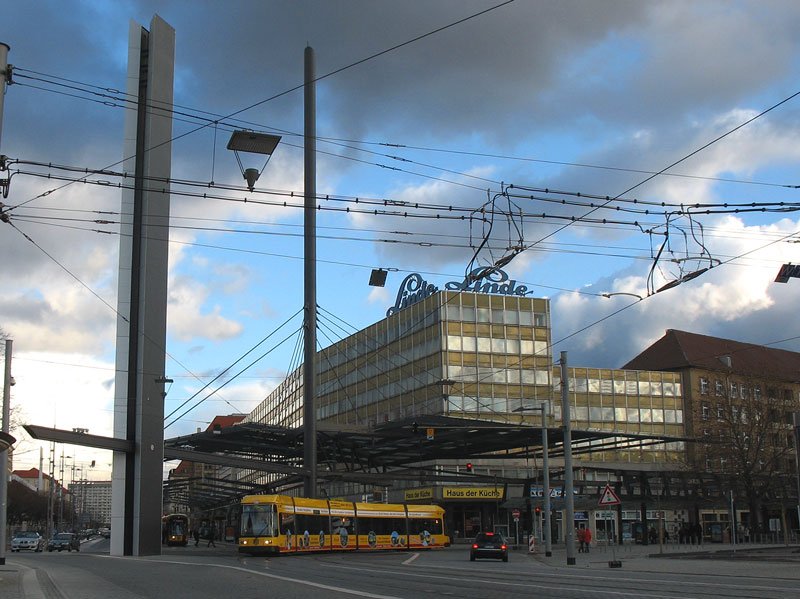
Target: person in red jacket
[
  {"x": 581, "y": 540},
  {"x": 587, "y": 538}
]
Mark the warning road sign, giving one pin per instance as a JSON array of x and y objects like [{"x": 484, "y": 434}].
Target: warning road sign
[{"x": 608, "y": 497}]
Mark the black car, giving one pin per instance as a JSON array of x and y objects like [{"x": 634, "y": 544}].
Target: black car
[
  {"x": 64, "y": 540},
  {"x": 489, "y": 544}
]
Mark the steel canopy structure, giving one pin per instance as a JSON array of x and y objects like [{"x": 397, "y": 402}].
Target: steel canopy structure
[{"x": 400, "y": 450}]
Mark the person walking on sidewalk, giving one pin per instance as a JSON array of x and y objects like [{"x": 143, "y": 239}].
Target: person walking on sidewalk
[
  {"x": 211, "y": 534},
  {"x": 196, "y": 536},
  {"x": 581, "y": 540},
  {"x": 587, "y": 539}
]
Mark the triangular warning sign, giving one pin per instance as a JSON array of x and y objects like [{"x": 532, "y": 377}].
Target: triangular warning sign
[{"x": 608, "y": 497}]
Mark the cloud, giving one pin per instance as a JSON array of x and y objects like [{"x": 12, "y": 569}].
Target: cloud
[
  {"x": 736, "y": 300},
  {"x": 188, "y": 318},
  {"x": 66, "y": 390}
]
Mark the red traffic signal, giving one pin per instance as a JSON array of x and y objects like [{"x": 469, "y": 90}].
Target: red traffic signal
[
  {"x": 538, "y": 510},
  {"x": 469, "y": 467}
]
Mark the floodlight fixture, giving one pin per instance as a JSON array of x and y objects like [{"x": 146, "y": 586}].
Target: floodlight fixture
[
  {"x": 252, "y": 143},
  {"x": 377, "y": 277}
]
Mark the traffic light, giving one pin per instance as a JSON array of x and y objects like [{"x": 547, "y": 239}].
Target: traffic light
[
  {"x": 415, "y": 428},
  {"x": 469, "y": 467},
  {"x": 538, "y": 510}
]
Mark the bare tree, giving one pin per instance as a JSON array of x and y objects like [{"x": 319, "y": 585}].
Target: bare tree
[{"x": 747, "y": 440}]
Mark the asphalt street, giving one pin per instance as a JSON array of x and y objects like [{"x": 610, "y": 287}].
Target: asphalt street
[{"x": 200, "y": 572}]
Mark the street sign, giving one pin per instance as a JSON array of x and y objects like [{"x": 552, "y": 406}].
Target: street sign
[
  {"x": 429, "y": 434},
  {"x": 515, "y": 514},
  {"x": 608, "y": 497}
]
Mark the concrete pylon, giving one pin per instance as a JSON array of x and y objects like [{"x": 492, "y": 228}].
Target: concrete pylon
[{"x": 142, "y": 299}]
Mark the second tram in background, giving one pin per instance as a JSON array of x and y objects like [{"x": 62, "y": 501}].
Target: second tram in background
[
  {"x": 175, "y": 529},
  {"x": 279, "y": 524}
]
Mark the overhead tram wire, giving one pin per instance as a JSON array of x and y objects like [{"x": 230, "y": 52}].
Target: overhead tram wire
[
  {"x": 227, "y": 368},
  {"x": 94, "y": 293},
  {"x": 393, "y": 208},
  {"x": 234, "y": 377},
  {"x": 642, "y": 226},
  {"x": 218, "y": 120},
  {"x": 656, "y": 293},
  {"x": 695, "y": 209},
  {"x": 686, "y": 157},
  {"x": 555, "y": 248},
  {"x": 302, "y": 85},
  {"x": 709, "y": 230}
]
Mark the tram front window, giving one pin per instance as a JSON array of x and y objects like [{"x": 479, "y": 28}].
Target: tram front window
[{"x": 258, "y": 521}]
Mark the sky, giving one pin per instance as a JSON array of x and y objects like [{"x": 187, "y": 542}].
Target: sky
[{"x": 604, "y": 149}]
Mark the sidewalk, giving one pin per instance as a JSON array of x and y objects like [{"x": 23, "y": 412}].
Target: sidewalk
[
  {"x": 21, "y": 582},
  {"x": 708, "y": 559}
]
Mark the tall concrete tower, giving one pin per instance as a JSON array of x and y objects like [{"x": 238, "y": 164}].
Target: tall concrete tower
[{"x": 142, "y": 299}]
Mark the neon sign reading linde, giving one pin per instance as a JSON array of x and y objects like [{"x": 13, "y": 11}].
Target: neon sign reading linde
[{"x": 414, "y": 288}]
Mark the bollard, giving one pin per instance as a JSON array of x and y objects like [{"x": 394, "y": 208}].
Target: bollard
[{"x": 532, "y": 544}]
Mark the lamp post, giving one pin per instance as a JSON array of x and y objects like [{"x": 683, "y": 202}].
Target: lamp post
[
  {"x": 569, "y": 499},
  {"x": 5, "y": 440},
  {"x": 546, "y": 531}
]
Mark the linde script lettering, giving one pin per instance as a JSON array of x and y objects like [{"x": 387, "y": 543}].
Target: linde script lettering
[{"x": 414, "y": 288}]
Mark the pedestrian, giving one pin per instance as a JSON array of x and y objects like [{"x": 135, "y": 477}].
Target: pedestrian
[
  {"x": 581, "y": 533},
  {"x": 196, "y": 535},
  {"x": 587, "y": 538},
  {"x": 211, "y": 537},
  {"x": 697, "y": 533}
]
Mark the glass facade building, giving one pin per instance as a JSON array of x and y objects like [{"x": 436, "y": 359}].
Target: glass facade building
[{"x": 479, "y": 356}]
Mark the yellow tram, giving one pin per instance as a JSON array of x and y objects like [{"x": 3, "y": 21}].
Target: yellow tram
[
  {"x": 175, "y": 529},
  {"x": 280, "y": 524}
]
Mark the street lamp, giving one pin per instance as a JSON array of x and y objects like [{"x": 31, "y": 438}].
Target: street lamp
[
  {"x": 253, "y": 143},
  {"x": 548, "y": 549}
]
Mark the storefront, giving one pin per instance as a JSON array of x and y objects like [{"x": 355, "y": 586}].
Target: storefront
[{"x": 468, "y": 510}]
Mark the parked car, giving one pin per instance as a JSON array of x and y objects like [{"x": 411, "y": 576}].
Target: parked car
[
  {"x": 28, "y": 540},
  {"x": 489, "y": 544},
  {"x": 64, "y": 540}
]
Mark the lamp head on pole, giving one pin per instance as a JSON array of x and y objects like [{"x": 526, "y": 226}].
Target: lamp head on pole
[{"x": 252, "y": 143}]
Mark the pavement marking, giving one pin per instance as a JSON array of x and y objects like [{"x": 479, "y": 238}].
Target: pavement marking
[
  {"x": 411, "y": 559},
  {"x": 275, "y": 576},
  {"x": 634, "y": 576},
  {"x": 560, "y": 587}
]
